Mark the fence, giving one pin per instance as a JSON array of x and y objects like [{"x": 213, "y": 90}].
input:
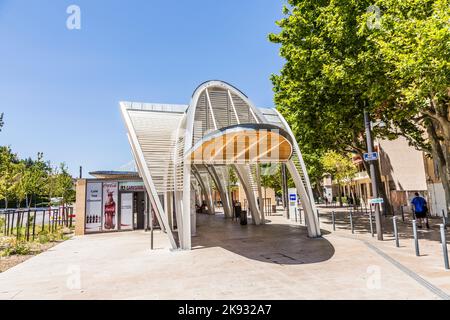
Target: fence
[{"x": 24, "y": 224}]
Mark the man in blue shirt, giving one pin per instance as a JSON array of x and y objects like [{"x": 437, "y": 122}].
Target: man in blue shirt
[{"x": 420, "y": 209}]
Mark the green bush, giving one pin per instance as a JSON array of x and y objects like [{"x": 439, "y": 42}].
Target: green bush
[
  {"x": 59, "y": 235},
  {"x": 10, "y": 246},
  {"x": 2, "y": 225}
]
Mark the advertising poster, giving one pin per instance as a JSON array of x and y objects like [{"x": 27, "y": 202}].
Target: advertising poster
[
  {"x": 94, "y": 207},
  {"x": 110, "y": 206},
  {"x": 126, "y": 211}
]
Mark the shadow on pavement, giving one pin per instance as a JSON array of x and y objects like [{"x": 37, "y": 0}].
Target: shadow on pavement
[{"x": 271, "y": 243}]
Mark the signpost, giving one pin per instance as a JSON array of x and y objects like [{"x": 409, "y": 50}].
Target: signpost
[
  {"x": 376, "y": 201},
  {"x": 292, "y": 204},
  {"x": 373, "y": 156},
  {"x": 373, "y": 172}
]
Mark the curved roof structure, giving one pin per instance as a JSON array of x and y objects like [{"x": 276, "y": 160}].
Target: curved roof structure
[
  {"x": 244, "y": 143},
  {"x": 178, "y": 147}
]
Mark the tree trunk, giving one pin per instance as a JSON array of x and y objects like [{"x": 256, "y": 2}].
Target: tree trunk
[
  {"x": 441, "y": 160},
  {"x": 381, "y": 189},
  {"x": 340, "y": 194}
]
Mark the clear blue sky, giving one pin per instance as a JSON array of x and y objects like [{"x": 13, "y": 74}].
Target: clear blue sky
[{"x": 60, "y": 89}]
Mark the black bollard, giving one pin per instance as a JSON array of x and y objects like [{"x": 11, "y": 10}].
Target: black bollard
[
  {"x": 333, "y": 217},
  {"x": 416, "y": 238},
  {"x": 397, "y": 242},
  {"x": 444, "y": 247},
  {"x": 351, "y": 222}
]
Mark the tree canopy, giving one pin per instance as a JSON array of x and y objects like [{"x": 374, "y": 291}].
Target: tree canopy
[
  {"x": 389, "y": 57},
  {"x": 332, "y": 73},
  {"x": 414, "y": 41},
  {"x": 25, "y": 180}
]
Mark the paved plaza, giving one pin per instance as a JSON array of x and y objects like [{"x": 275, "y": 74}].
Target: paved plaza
[{"x": 229, "y": 261}]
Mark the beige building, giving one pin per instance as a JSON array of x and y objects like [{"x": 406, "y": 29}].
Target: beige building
[{"x": 404, "y": 171}]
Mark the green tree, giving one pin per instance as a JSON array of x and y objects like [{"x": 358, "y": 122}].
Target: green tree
[
  {"x": 19, "y": 186},
  {"x": 340, "y": 167},
  {"x": 233, "y": 182},
  {"x": 316, "y": 171},
  {"x": 271, "y": 178},
  {"x": 34, "y": 178},
  {"x": 332, "y": 73},
  {"x": 414, "y": 40},
  {"x": 8, "y": 174},
  {"x": 65, "y": 187}
]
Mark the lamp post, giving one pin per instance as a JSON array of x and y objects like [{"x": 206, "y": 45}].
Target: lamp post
[{"x": 373, "y": 172}]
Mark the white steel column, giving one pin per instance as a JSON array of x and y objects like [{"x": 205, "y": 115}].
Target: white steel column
[
  {"x": 222, "y": 191},
  {"x": 140, "y": 160},
  {"x": 245, "y": 180},
  {"x": 211, "y": 109},
  {"x": 233, "y": 106},
  {"x": 205, "y": 187},
  {"x": 261, "y": 199},
  {"x": 303, "y": 168},
  {"x": 313, "y": 230}
]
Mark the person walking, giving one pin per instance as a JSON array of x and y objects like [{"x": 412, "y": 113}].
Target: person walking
[{"x": 420, "y": 208}]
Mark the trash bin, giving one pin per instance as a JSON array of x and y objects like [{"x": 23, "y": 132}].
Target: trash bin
[
  {"x": 244, "y": 218},
  {"x": 274, "y": 209}
]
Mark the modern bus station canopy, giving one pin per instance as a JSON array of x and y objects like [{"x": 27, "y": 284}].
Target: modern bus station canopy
[{"x": 179, "y": 149}]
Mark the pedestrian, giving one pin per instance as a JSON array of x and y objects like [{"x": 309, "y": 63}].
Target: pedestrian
[{"x": 420, "y": 208}]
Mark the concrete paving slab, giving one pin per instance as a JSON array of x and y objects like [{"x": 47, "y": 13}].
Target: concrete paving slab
[{"x": 275, "y": 261}]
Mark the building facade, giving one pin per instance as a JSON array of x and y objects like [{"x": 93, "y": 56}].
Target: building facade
[{"x": 404, "y": 171}]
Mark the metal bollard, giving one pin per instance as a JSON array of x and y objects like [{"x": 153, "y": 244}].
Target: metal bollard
[
  {"x": 444, "y": 247},
  {"x": 152, "y": 241},
  {"x": 403, "y": 213},
  {"x": 416, "y": 238},
  {"x": 333, "y": 216},
  {"x": 397, "y": 242},
  {"x": 318, "y": 217},
  {"x": 351, "y": 222},
  {"x": 444, "y": 220}
]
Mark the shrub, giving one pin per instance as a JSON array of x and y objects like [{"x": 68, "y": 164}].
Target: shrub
[{"x": 10, "y": 246}]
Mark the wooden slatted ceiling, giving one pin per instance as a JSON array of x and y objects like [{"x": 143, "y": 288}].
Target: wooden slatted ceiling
[{"x": 246, "y": 146}]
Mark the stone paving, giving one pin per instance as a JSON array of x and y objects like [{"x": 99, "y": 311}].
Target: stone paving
[
  {"x": 229, "y": 261},
  {"x": 429, "y": 265}
]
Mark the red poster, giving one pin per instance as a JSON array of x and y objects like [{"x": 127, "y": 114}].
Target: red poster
[{"x": 110, "y": 206}]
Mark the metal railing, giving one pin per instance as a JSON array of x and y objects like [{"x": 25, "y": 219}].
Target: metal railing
[
  {"x": 355, "y": 211},
  {"x": 26, "y": 224}
]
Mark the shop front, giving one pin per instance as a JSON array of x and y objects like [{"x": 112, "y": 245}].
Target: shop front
[{"x": 112, "y": 205}]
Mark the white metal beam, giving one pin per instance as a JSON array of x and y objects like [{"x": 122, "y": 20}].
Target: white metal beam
[
  {"x": 242, "y": 173},
  {"x": 313, "y": 228},
  {"x": 234, "y": 107},
  {"x": 211, "y": 109},
  {"x": 147, "y": 176}
]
